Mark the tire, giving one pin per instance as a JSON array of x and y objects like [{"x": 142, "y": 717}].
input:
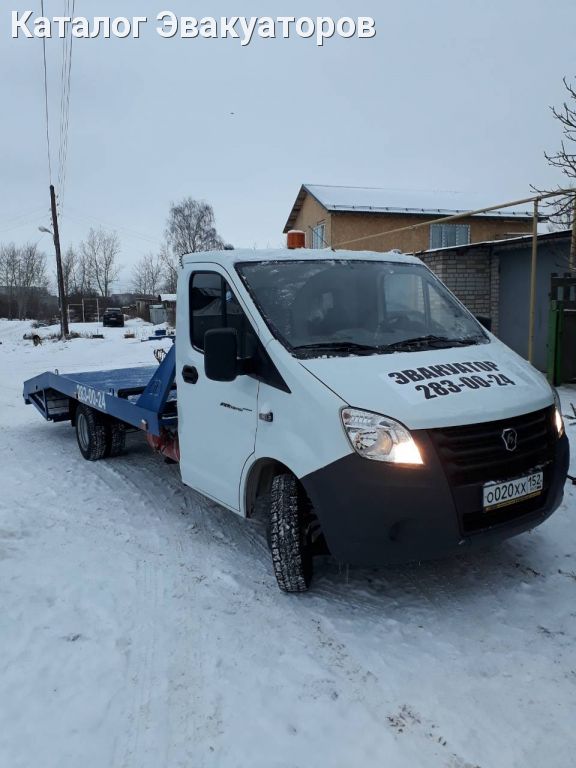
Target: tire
[
  {"x": 91, "y": 433},
  {"x": 291, "y": 552},
  {"x": 115, "y": 438}
]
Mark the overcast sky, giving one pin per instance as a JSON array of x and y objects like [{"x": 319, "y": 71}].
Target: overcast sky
[{"x": 450, "y": 95}]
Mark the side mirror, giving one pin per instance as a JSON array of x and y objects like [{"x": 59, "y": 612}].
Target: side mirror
[{"x": 221, "y": 354}]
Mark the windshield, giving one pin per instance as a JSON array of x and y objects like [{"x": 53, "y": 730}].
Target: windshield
[{"x": 357, "y": 307}]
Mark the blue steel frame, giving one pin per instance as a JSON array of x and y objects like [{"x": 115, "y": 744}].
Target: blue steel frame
[{"x": 145, "y": 412}]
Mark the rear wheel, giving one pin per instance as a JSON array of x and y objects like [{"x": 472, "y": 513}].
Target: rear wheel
[
  {"x": 91, "y": 433},
  {"x": 289, "y": 540},
  {"x": 115, "y": 438}
]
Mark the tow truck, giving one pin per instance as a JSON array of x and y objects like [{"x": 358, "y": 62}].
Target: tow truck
[{"x": 348, "y": 393}]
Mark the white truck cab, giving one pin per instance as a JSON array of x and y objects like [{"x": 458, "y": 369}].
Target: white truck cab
[{"x": 363, "y": 402}]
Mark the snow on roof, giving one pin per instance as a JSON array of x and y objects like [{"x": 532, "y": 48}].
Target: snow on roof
[
  {"x": 502, "y": 242},
  {"x": 380, "y": 200},
  {"x": 168, "y": 297},
  {"x": 229, "y": 259}
]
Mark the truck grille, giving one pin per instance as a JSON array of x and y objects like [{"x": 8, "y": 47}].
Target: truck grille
[{"x": 476, "y": 453}]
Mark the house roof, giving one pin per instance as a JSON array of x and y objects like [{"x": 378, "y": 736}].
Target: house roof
[
  {"x": 561, "y": 236},
  {"x": 412, "y": 202}
]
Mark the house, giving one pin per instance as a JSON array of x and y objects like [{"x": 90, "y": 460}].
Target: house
[
  {"x": 157, "y": 309},
  {"x": 168, "y": 301},
  {"x": 492, "y": 279},
  {"x": 142, "y": 307},
  {"x": 335, "y": 217}
]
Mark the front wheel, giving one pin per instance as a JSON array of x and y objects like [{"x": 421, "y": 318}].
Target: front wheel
[{"x": 288, "y": 534}]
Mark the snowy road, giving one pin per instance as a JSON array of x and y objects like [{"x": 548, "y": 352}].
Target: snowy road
[{"x": 141, "y": 626}]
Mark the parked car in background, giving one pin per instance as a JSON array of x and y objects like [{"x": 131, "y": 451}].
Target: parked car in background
[{"x": 113, "y": 317}]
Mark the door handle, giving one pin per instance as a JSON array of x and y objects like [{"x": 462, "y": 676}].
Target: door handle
[{"x": 190, "y": 374}]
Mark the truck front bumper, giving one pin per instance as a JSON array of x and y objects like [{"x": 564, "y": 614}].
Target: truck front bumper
[{"x": 373, "y": 513}]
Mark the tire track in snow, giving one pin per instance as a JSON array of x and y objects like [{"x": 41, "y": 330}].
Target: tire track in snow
[
  {"x": 133, "y": 741},
  {"x": 183, "y": 551},
  {"x": 138, "y": 737}
]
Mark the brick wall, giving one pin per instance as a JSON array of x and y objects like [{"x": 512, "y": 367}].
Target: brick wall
[
  {"x": 473, "y": 277},
  {"x": 495, "y": 292}
]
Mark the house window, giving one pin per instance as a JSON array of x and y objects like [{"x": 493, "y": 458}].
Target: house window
[
  {"x": 447, "y": 235},
  {"x": 319, "y": 236}
]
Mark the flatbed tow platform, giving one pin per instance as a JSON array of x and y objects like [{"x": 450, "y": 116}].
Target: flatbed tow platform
[{"x": 141, "y": 397}]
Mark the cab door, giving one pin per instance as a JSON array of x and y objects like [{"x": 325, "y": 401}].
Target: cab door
[{"x": 217, "y": 421}]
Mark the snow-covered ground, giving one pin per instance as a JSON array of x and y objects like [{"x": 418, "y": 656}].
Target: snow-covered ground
[{"x": 141, "y": 626}]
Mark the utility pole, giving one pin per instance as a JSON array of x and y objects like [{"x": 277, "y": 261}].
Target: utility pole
[
  {"x": 533, "y": 275},
  {"x": 572, "y": 258},
  {"x": 60, "y": 273}
]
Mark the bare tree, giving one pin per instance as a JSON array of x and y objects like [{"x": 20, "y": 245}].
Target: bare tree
[
  {"x": 31, "y": 275},
  {"x": 100, "y": 251},
  {"x": 69, "y": 268},
  {"x": 191, "y": 228},
  {"x": 9, "y": 274},
  {"x": 22, "y": 273},
  {"x": 563, "y": 208},
  {"x": 171, "y": 263},
  {"x": 76, "y": 273},
  {"x": 561, "y": 221},
  {"x": 147, "y": 276},
  {"x": 82, "y": 284}
]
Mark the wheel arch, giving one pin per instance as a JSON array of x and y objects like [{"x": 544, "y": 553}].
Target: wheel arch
[{"x": 259, "y": 481}]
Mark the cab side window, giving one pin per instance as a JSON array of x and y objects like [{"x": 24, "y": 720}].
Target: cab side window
[{"x": 214, "y": 305}]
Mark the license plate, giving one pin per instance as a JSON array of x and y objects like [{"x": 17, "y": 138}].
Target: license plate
[{"x": 510, "y": 491}]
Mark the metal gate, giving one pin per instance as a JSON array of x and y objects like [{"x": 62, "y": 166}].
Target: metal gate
[
  {"x": 562, "y": 329},
  {"x": 514, "y": 302}
]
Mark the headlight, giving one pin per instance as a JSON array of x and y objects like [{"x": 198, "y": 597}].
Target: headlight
[
  {"x": 380, "y": 438},
  {"x": 558, "y": 420}
]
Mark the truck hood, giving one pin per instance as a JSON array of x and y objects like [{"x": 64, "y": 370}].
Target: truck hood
[{"x": 437, "y": 387}]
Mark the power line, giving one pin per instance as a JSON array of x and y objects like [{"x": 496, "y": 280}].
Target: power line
[
  {"x": 21, "y": 225},
  {"x": 63, "y": 69},
  {"x": 46, "y": 99},
  {"x": 107, "y": 225},
  {"x": 27, "y": 214},
  {"x": 18, "y": 222},
  {"x": 66, "y": 75}
]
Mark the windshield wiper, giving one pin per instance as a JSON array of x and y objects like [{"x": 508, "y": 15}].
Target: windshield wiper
[
  {"x": 338, "y": 347},
  {"x": 431, "y": 340}
]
